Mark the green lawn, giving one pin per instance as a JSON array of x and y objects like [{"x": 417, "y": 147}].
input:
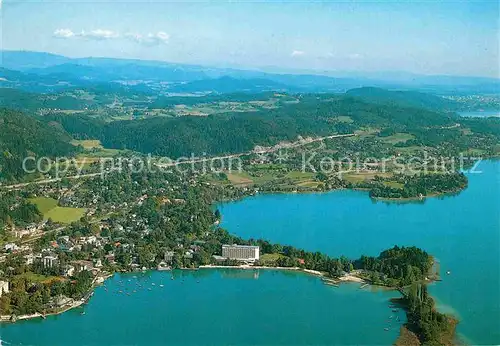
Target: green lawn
[
  {"x": 300, "y": 175},
  {"x": 240, "y": 178},
  {"x": 270, "y": 258},
  {"x": 65, "y": 214},
  {"x": 344, "y": 119},
  {"x": 398, "y": 138},
  {"x": 88, "y": 143},
  {"x": 38, "y": 278},
  {"x": 393, "y": 184},
  {"x": 310, "y": 183},
  {"x": 44, "y": 204},
  {"x": 48, "y": 207}
]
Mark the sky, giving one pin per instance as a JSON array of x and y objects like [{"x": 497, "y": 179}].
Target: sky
[{"x": 425, "y": 37}]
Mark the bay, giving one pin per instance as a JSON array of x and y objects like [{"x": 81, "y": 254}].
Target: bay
[
  {"x": 218, "y": 307},
  {"x": 268, "y": 307},
  {"x": 461, "y": 231}
]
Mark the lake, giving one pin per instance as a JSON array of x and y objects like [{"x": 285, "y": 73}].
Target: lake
[
  {"x": 462, "y": 232},
  {"x": 218, "y": 307},
  {"x": 238, "y": 307},
  {"x": 478, "y": 114}
]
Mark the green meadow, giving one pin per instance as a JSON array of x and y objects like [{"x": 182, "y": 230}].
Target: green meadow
[{"x": 50, "y": 210}]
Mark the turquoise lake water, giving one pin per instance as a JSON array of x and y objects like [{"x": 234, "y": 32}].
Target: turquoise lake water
[
  {"x": 219, "y": 307},
  {"x": 462, "y": 232},
  {"x": 483, "y": 114},
  {"x": 237, "y": 307}
]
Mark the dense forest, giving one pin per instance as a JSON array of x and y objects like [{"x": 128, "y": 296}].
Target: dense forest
[
  {"x": 314, "y": 115},
  {"x": 430, "y": 326},
  {"x": 404, "y": 98},
  {"x": 22, "y": 136},
  {"x": 230, "y": 132},
  {"x": 421, "y": 185},
  {"x": 16, "y": 210},
  {"x": 397, "y": 267}
]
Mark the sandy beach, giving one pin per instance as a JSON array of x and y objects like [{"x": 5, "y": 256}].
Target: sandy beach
[{"x": 345, "y": 278}]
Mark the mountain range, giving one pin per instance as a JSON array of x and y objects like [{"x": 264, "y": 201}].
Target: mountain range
[{"x": 46, "y": 72}]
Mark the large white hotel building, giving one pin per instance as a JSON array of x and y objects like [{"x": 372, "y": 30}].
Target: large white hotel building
[{"x": 241, "y": 252}]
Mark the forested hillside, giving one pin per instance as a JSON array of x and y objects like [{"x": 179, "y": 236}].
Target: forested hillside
[
  {"x": 313, "y": 115},
  {"x": 22, "y": 136},
  {"x": 404, "y": 98}
]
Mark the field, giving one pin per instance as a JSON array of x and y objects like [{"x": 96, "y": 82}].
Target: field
[
  {"x": 266, "y": 173},
  {"x": 398, "y": 138},
  {"x": 297, "y": 175},
  {"x": 393, "y": 184},
  {"x": 38, "y": 278},
  {"x": 64, "y": 214},
  {"x": 239, "y": 178},
  {"x": 44, "y": 204},
  {"x": 362, "y": 176},
  {"x": 270, "y": 259},
  {"x": 344, "y": 119},
  {"x": 88, "y": 144},
  {"x": 48, "y": 207}
]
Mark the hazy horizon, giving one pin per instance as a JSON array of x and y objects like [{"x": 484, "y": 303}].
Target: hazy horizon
[
  {"x": 382, "y": 74},
  {"x": 452, "y": 38}
]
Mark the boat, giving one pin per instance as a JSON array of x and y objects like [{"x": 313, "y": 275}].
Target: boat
[
  {"x": 390, "y": 317},
  {"x": 395, "y": 310},
  {"x": 82, "y": 313},
  {"x": 363, "y": 286},
  {"x": 331, "y": 284},
  {"x": 386, "y": 329},
  {"x": 161, "y": 285},
  {"x": 448, "y": 272},
  {"x": 149, "y": 289}
]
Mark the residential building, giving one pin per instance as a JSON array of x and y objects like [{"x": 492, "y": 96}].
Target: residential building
[
  {"x": 169, "y": 256},
  {"x": 11, "y": 247},
  {"x": 49, "y": 261},
  {"x": 4, "y": 287},
  {"x": 83, "y": 265},
  {"x": 68, "y": 270}
]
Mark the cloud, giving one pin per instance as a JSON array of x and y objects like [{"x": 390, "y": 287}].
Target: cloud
[
  {"x": 103, "y": 34},
  {"x": 100, "y": 34},
  {"x": 297, "y": 53},
  {"x": 63, "y": 33},
  {"x": 150, "y": 39}
]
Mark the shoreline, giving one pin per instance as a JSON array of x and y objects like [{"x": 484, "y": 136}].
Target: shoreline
[
  {"x": 422, "y": 198},
  {"x": 99, "y": 280},
  {"x": 360, "y": 189},
  {"x": 348, "y": 278}
]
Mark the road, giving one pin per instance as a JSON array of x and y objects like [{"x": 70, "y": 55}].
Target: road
[
  {"x": 195, "y": 160},
  {"x": 255, "y": 151}
]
